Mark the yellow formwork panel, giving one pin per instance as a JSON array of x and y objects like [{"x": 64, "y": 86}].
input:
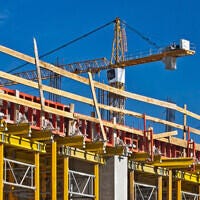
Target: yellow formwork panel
[
  {"x": 23, "y": 143},
  {"x": 41, "y": 135},
  {"x": 97, "y": 147},
  {"x": 80, "y": 154},
  {"x": 19, "y": 129},
  {"x": 72, "y": 141},
  {"x": 111, "y": 151},
  {"x": 140, "y": 157},
  {"x": 175, "y": 163}
]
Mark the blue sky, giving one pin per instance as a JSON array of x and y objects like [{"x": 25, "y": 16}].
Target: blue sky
[{"x": 54, "y": 23}]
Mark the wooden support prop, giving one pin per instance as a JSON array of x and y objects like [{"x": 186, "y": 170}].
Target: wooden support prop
[
  {"x": 37, "y": 61},
  {"x": 165, "y": 134},
  {"x": 97, "y": 107},
  {"x": 185, "y": 122}
]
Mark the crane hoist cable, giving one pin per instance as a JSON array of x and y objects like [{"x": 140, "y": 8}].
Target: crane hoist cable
[
  {"x": 65, "y": 45},
  {"x": 148, "y": 40}
]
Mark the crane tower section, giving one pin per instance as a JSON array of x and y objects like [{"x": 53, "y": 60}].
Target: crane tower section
[{"x": 116, "y": 77}]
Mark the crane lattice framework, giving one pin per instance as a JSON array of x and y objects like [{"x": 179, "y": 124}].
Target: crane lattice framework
[{"x": 116, "y": 77}]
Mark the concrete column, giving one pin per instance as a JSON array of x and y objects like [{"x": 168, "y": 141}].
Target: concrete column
[
  {"x": 113, "y": 179},
  {"x": 131, "y": 185},
  {"x": 159, "y": 187},
  {"x": 66, "y": 179}
]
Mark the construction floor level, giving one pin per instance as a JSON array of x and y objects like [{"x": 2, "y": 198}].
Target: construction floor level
[{"x": 49, "y": 151}]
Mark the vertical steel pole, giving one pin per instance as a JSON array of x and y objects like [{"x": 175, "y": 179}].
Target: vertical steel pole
[
  {"x": 66, "y": 178},
  {"x": 54, "y": 171},
  {"x": 169, "y": 188},
  {"x": 131, "y": 185},
  {"x": 96, "y": 181},
  {"x": 178, "y": 189},
  {"x": 159, "y": 187},
  {"x": 37, "y": 176},
  {"x": 1, "y": 170}
]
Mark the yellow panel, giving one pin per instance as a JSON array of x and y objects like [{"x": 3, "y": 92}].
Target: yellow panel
[
  {"x": 81, "y": 154},
  {"x": 97, "y": 147},
  {"x": 18, "y": 129},
  {"x": 110, "y": 151},
  {"x": 140, "y": 156},
  {"x": 174, "y": 162},
  {"x": 73, "y": 141},
  {"x": 22, "y": 142}
]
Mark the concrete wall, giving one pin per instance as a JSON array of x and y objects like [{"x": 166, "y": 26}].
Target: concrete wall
[{"x": 113, "y": 179}]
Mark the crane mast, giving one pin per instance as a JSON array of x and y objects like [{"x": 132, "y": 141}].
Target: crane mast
[{"x": 116, "y": 77}]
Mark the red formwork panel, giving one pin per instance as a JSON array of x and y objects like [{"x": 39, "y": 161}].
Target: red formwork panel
[
  {"x": 89, "y": 130},
  {"x": 163, "y": 149}
]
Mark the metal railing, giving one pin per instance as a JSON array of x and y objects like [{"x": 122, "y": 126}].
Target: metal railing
[
  {"x": 81, "y": 184},
  {"x": 19, "y": 174}
]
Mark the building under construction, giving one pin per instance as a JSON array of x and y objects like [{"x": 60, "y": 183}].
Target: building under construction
[{"x": 49, "y": 151}]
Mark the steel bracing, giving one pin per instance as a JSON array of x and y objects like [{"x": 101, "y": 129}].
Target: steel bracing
[{"x": 81, "y": 184}]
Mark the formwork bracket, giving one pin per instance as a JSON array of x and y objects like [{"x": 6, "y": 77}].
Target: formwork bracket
[
  {"x": 80, "y": 154},
  {"x": 22, "y": 142}
]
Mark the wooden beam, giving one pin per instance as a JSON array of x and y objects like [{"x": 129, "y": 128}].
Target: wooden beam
[
  {"x": 126, "y": 94},
  {"x": 165, "y": 134},
  {"x": 84, "y": 99},
  {"x": 97, "y": 107}
]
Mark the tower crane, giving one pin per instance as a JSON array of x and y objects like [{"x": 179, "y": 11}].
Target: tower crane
[{"x": 116, "y": 66}]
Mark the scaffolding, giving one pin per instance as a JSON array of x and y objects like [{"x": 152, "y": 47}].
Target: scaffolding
[{"x": 37, "y": 162}]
